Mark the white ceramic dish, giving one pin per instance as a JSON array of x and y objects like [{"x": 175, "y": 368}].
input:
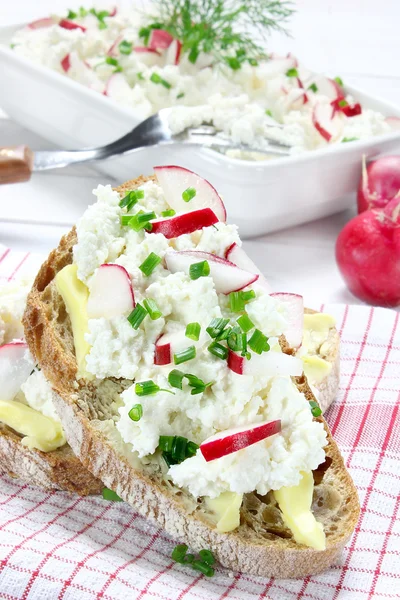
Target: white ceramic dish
[{"x": 260, "y": 196}]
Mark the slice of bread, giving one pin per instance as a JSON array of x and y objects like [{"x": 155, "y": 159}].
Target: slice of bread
[{"x": 262, "y": 544}]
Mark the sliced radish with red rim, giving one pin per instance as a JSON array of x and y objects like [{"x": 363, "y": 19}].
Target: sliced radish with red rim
[
  {"x": 294, "y": 306},
  {"x": 160, "y": 39},
  {"x": 238, "y": 257},
  {"x": 185, "y": 223}
]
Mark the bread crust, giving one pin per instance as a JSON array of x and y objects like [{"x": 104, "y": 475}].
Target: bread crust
[{"x": 252, "y": 548}]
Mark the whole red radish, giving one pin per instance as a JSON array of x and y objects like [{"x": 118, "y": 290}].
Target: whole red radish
[
  {"x": 368, "y": 255},
  {"x": 380, "y": 183}
]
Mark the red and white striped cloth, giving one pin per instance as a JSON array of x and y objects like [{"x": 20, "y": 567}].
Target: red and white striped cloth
[{"x": 58, "y": 546}]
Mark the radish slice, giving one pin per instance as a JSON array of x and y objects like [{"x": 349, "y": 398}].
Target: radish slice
[
  {"x": 175, "y": 180},
  {"x": 173, "y": 53},
  {"x": 238, "y": 257},
  {"x": 41, "y": 23},
  {"x": 66, "y": 63},
  {"x": 327, "y": 87},
  {"x": 169, "y": 344},
  {"x": 117, "y": 86},
  {"x": 160, "y": 39},
  {"x": 268, "y": 364},
  {"x": 294, "y": 305},
  {"x": 227, "y": 277},
  {"x": 113, "y": 49},
  {"x": 329, "y": 126},
  {"x": 394, "y": 122},
  {"x": 148, "y": 57},
  {"x": 172, "y": 227},
  {"x": 16, "y": 364},
  {"x": 113, "y": 12},
  {"x": 233, "y": 440},
  {"x": 111, "y": 293},
  {"x": 66, "y": 24}
]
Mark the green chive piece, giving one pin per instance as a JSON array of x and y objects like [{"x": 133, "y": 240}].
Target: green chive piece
[
  {"x": 313, "y": 87},
  {"x": 193, "y": 54},
  {"x": 175, "y": 379},
  {"x": 165, "y": 442},
  {"x": 168, "y": 213},
  {"x": 71, "y": 15},
  {"x": 207, "y": 556},
  {"x": 199, "y": 565},
  {"x": 339, "y": 81},
  {"x": 342, "y": 103},
  {"x": 136, "y": 412},
  {"x": 111, "y": 61},
  {"x": 269, "y": 113},
  {"x": 131, "y": 199},
  {"x": 151, "y": 262},
  {"x": 193, "y": 331},
  {"x": 259, "y": 342},
  {"x": 247, "y": 296},
  {"x": 234, "y": 339},
  {"x": 243, "y": 346},
  {"x": 125, "y": 220},
  {"x": 218, "y": 350},
  {"x": 245, "y": 323},
  {"x": 315, "y": 409},
  {"x": 350, "y": 139},
  {"x": 179, "y": 553},
  {"x": 216, "y": 327},
  {"x": 189, "y": 558},
  {"x": 185, "y": 355},
  {"x": 140, "y": 76},
  {"x": 125, "y": 47},
  {"x": 179, "y": 448},
  {"x": 141, "y": 221},
  {"x": 236, "y": 302},
  {"x": 179, "y": 96},
  {"x": 156, "y": 78},
  {"x": 292, "y": 73},
  {"x": 82, "y": 12},
  {"x": 137, "y": 316},
  {"x": 189, "y": 194},
  {"x": 146, "y": 388},
  {"x": 110, "y": 495},
  {"x": 200, "y": 269},
  {"x": 224, "y": 334},
  {"x": 175, "y": 449},
  {"x": 152, "y": 308},
  {"x": 191, "y": 449}
]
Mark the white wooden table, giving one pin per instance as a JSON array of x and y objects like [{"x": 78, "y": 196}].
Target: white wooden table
[{"x": 357, "y": 40}]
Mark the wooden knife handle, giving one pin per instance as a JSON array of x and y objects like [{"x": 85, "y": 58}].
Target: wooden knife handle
[{"x": 16, "y": 163}]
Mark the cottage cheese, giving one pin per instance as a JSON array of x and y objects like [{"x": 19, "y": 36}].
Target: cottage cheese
[
  {"x": 39, "y": 395},
  {"x": 235, "y": 101},
  {"x": 118, "y": 350}
]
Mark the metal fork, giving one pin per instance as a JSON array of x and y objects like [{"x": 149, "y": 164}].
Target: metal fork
[{"x": 17, "y": 164}]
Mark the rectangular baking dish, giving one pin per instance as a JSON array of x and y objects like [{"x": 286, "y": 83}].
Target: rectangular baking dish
[{"x": 260, "y": 196}]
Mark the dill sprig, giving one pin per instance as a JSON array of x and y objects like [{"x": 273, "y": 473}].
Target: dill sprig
[{"x": 226, "y": 29}]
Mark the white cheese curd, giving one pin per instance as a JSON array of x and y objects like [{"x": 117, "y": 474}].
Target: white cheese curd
[
  {"x": 39, "y": 395},
  {"x": 230, "y": 400},
  {"x": 13, "y": 296},
  {"x": 245, "y": 104},
  {"x": 269, "y": 464}
]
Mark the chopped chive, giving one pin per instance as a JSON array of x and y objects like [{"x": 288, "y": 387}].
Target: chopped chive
[
  {"x": 165, "y": 442},
  {"x": 247, "y": 296},
  {"x": 179, "y": 96},
  {"x": 125, "y": 220},
  {"x": 179, "y": 448},
  {"x": 245, "y": 323},
  {"x": 292, "y": 73},
  {"x": 259, "y": 342},
  {"x": 185, "y": 355},
  {"x": 188, "y": 194},
  {"x": 193, "y": 54},
  {"x": 236, "y": 302},
  {"x": 156, "y": 78},
  {"x": 110, "y": 495},
  {"x": 179, "y": 553},
  {"x": 191, "y": 449},
  {"x": 137, "y": 316},
  {"x": 71, "y": 15},
  {"x": 140, "y": 76},
  {"x": 339, "y": 81},
  {"x": 136, "y": 412},
  {"x": 175, "y": 379},
  {"x": 207, "y": 556},
  {"x": 218, "y": 350},
  {"x": 269, "y": 113},
  {"x": 168, "y": 213},
  {"x": 111, "y": 61},
  {"x": 176, "y": 448},
  {"x": 199, "y": 565},
  {"x": 253, "y": 62},
  {"x": 146, "y": 388},
  {"x": 193, "y": 331},
  {"x": 152, "y": 308},
  {"x": 313, "y": 87},
  {"x": 342, "y": 103},
  {"x": 224, "y": 334},
  {"x": 315, "y": 409},
  {"x": 194, "y": 381},
  {"x": 349, "y": 139},
  {"x": 234, "y": 339},
  {"x": 200, "y": 269},
  {"x": 131, "y": 199},
  {"x": 150, "y": 263},
  {"x": 82, "y": 12},
  {"x": 216, "y": 327},
  {"x": 189, "y": 558},
  {"x": 125, "y": 47},
  {"x": 141, "y": 221}
]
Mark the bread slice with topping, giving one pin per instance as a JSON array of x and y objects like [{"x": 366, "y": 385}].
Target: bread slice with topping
[{"x": 262, "y": 544}]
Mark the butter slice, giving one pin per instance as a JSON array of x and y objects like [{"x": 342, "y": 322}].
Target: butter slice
[
  {"x": 295, "y": 504},
  {"x": 75, "y": 295},
  {"x": 41, "y": 432},
  {"x": 226, "y": 508},
  {"x": 320, "y": 322},
  {"x": 316, "y": 368}
]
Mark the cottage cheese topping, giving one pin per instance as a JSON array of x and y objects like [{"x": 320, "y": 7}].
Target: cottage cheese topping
[
  {"x": 118, "y": 350},
  {"x": 235, "y": 101},
  {"x": 39, "y": 395}
]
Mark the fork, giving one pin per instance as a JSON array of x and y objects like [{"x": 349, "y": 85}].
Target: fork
[{"x": 18, "y": 163}]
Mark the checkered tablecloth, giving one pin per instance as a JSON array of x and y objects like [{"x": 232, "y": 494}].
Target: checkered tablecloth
[{"x": 57, "y": 546}]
